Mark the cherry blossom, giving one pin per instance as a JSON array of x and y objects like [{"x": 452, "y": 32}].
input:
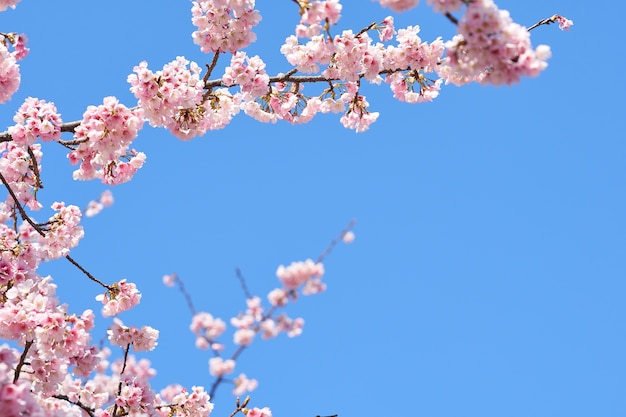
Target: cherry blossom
[
  {"x": 35, "y": 118},
  {"x": 144, "y": 338},
  {"x": 221, "y": 367},
  {"x": 243, "y": 385},
  {"x": 105, "y": 135},
  {"x": 120, "y": 296},
  {"x": 399, "y": 5}
]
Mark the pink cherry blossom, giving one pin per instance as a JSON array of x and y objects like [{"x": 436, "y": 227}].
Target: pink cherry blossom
[
  {"x": 243, "y": 385},
  {"x": 35, "y": 118},
  {"x": 348, "y": 237},
  {"x": 298, "y": 273},
  {"x": 205, "y": 326},
  {"x": 62, "y": 231},
  {"x": 446, "y": 6},
  {"x": 259, "y": 412},
  {"x": 120, "y": 296},
  {"x": 564, "y": 23},
  {"x": 4, "y": 4},
  {"x": 9, "y": 70},
  {"x": 141, "y": 339},
  {"x": 105, "y": 134},
  {"x": 491, "y": 48},
  {"x": 221, "y": 367},
  {"x": 399, "y": 5},
  {"x": 16, "y": 164},
  {"x": 224, "y": 26}
]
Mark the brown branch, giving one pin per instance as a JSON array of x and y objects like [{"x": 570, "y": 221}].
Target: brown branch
[
  {"x": 25, "y": 216},
  {"x": 336, "y": 240},
  {"x": 85, "y": 408},
  {"x": 33, "y": 165},
  {"x": 547, "y": 21},
  {"x": 451, "y": 18},
  {"x": 242, "y": 280},
  {"x": 22, "y": 361},
  {"x": 84, "y": 271}
]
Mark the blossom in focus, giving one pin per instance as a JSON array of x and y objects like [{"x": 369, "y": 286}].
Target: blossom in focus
[{"x": 120, "y": 296}]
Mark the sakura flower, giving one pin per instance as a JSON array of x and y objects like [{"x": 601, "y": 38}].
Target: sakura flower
[
  {"x": 120, "y": 297},
  {"x": 243, "y": 385},
  {"x": 220, "y": 367},
  {"x": 259, "y": 412},
  {"x": 298, "y": 273},
  {"x": 141, "y": 339},
  {"x": 399, "y": 5}
]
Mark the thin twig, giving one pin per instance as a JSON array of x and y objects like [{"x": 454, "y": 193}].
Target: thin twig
[
  {"x": 336, "y": 240},
  {"x": 547, "y": 21},
  {"x": 25, "y": 216},
  {"x": 22, "y": 361},
  {"x": 84, "y": 271},
  {"x": 181, "y": 287},
  {"x": 242, "y": 280},
  {"x": 85, "y": 408}
]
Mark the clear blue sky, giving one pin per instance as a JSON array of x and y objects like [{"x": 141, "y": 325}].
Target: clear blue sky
[{"x": 487, "y": 275}]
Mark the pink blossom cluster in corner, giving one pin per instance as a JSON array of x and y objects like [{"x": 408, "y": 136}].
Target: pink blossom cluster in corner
[
  {"x": 105, "y": 135},
  {"x": 399, "y": 5},
  {"x": 35, "y": 118},
  {"x": 4, "y": 4},
  {"x": 30, "y": 313},
  {"x": 491, "y": 48},
  {"x": 9, "y": 69},
  {"x": 94, "y": 207},
  {"x": 120, "y": 296},
  {"x": 142, "y": 339},
  {"x": 224, "y": 25},
  {"x": 446, "y": 6},
  {"x": 16, "y": 165},
  {"x": 62, "y": 231}
]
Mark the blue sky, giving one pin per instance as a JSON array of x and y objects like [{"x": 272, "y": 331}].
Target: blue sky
[{"x": 487, "y": 274}]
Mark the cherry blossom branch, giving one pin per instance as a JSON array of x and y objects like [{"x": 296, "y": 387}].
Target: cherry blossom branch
[
  {"x": 21, "y": 363},
  {"x": 84, "y": 271},
  {"x": 119, "y": 387},
  {"x": 451, "y": 18},
  {"x": 239, "y": 407},
  {"x": 242, "y": 280},
  {"x": 25, "y": 216},
  {"x": 85, "y": 408},
  {"x": 336, "y": 240}
]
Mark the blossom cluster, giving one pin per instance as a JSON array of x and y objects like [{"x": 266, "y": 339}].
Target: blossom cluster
[
  {"x": 173, "y": 98},
  {"x": 62, "y": 231},
  {"x": 224, "y": 25},
  {"x": 19, "y": 166},
  {"x": 104, "y": 136},
  {"x": 120, "y": 296},
  {"x": 144, "y": 338},
  {"x": 35, "y": 118},
  {"x": 491, "y": 48},
  {"x": 96, "y": 206},
  {"x": 9, "y": 69}
]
